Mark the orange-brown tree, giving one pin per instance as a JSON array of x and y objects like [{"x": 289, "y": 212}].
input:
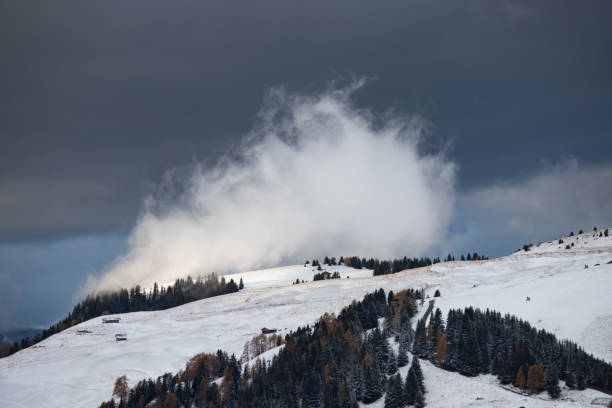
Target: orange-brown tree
[{"x": 536, "y": 381}]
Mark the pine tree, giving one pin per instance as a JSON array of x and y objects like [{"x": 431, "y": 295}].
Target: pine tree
[
  {"x": 372, "y": 387},
  {"x": 570, "y": 382},
  {"x": 312, "y": 392},
  {"x": 391, "y": 363},
  {"x": 388, "y": 322},
  {"x": 520, "y": 380},
  {"x": 580, "y": 381},
  {"x": 371, "y": 317},
  {"x": 420, "y": 339},
  {"x": 419, "y": 400},
  {"x": 416, "y": 367},
  {"x": 411, "y": 387},
  {"x": 241, "y": 285},
  {"x": 469, "y": 352},
  {"x": 552, "y": 385},
  {"x": 402, "y": 357},
  {"x": 394, "y": 397}
]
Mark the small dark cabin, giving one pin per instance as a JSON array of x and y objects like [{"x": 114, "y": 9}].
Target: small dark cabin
[{"x": 265, "y": 330}]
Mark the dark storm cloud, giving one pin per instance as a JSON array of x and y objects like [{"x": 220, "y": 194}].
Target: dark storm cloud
[
  {"x": 546, "y": 205},
  {"x": 38, "y": 279},
  {"x": 97, "y": 100}
]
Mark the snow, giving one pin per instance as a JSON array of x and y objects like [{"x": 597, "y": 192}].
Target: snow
[
  {"x": 589, "y": 241},
  {"x": 78, "y": 370},
  {"x": 565, "y": 299}
]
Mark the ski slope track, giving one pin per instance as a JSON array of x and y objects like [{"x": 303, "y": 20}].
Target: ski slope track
[{"x": 72, "y": 369}]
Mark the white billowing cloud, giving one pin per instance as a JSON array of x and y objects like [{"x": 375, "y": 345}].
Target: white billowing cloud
[
  {"x": 316, "y": 176},
  {"x": 545, "y": 206}
]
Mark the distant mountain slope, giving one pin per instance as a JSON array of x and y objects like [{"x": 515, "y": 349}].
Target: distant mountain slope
[
  {"x": 583, "y": 242},
  {"x": 79, "y": 369},
  {"x": 11, "y": 335}
]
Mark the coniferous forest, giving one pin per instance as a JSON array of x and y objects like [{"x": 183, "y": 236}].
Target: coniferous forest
[
  {"x": 342, "y": 360},
  {"x": 134, "y": 300},
  {"x": 335, "y": 363},
  {"x": 392, "y": 266},
  {"x": 475, "y": 342}
]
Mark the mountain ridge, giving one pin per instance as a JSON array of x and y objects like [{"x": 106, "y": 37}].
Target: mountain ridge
[{"x": 163, "y": 341}]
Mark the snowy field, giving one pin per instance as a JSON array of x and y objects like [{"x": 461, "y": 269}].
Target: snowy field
[{"x": 72, "y": 369}]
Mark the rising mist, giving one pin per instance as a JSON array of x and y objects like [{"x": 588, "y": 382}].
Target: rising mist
[{"x": 315, "y": 176}]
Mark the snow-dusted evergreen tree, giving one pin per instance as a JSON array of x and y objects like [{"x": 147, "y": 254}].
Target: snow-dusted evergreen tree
[
  {"x": 580, "y": 380},
  {"x": 372, "y": 386},
  {"x": 416, "y": 367},
  {"x": 391, "y": 363},
  {"x": 411, "y": 387},
  {"x": 419, "y": 400},
  {"x": 312, "y": 393},
  {"x": 394, "y": 398},
  {"x": 388, "y": 328},
  {"x": 570, "y": 381},
  {"x": 420, "y": 339},
  {"x": 552, "y": 385},
  {"x": 402, "y": 356},
  {"x": 380, "y": 348}
]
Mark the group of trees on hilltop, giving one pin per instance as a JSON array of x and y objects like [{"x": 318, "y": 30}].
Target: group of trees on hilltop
[
  {"x": 475, "y": 342},
  {"x": 385, "y": 267},
  {"x": 134, "y": 300},
  {"x": 396, "y": 265},
  {"x": 322, "y": 276},
  {"x": 605, "y": 232},
  {"x": 336, "y": 363}
]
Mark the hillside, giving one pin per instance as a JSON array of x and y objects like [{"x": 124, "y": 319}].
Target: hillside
[{"x": 78, "y": 367}]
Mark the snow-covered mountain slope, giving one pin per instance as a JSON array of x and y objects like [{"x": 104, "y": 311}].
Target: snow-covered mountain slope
[
  {"x": 77, "y": 369},
  {"x": 586, "y": 242}
]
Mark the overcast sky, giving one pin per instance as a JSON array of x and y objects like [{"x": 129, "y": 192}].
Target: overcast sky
[{"x": 98, "y": 101}]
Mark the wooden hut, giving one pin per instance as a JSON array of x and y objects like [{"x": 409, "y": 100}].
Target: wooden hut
[{"x": 265, "y": 330}]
